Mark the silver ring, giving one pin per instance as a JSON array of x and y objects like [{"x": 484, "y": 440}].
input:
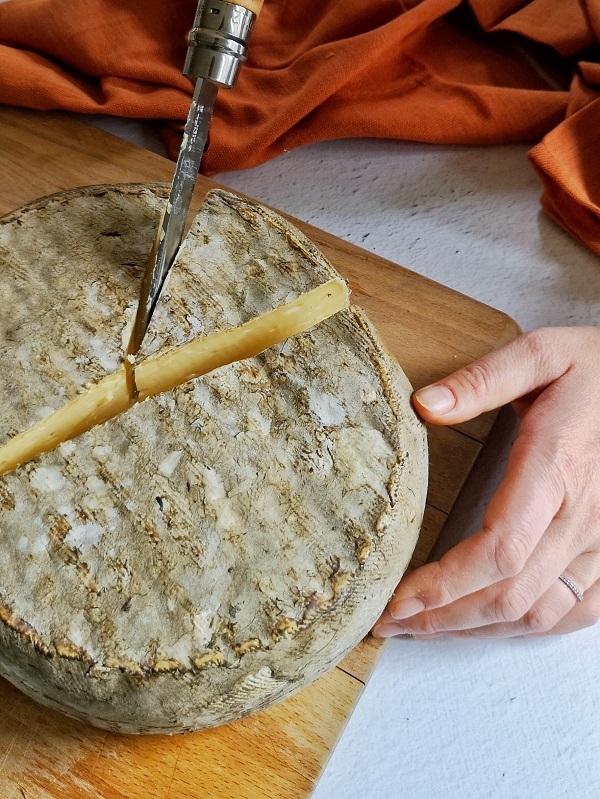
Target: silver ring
[{"x": 572, "y": 586}]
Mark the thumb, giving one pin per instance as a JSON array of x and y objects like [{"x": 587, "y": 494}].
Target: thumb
[{"x": 530, "y": 362}]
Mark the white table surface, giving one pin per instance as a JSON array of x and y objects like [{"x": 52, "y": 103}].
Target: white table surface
[{"x": 514, "y": 719}]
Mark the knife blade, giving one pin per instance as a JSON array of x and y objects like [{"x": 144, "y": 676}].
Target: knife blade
[{"x": 217, "y": 47}]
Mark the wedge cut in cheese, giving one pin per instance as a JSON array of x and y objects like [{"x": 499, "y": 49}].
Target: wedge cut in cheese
[
  {"x": 229, "y": 539},
  {"x": 113, "y": 395}
]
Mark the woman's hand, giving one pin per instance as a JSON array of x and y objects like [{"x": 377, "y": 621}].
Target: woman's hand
[{"x": 543, "y": 521}]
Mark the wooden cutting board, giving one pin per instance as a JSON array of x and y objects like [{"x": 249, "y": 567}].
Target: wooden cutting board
[{"x": 279, "y": 752}]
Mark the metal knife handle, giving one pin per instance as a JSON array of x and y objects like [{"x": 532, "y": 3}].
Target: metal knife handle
[{"x": 218, "y": 42}]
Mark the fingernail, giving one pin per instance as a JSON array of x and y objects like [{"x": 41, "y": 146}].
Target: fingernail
[
  {"x": 437, "y": 399},
  {"x": 407, "y": 607},
  {"x": 387, "y": 630}
]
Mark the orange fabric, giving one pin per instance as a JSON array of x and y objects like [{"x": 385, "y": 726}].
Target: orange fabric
[{"x": 483, "y": 71}]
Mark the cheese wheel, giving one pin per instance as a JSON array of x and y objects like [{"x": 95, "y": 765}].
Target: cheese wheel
[{"x": 218, "y": 546}]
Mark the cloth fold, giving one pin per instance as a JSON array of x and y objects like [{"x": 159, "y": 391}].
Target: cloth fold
[{"x": 444, "y": 71}]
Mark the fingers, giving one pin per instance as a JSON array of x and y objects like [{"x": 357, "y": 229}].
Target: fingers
[
  {"x": 557, "y": 612},
  {"x": 508, "y": 600},
  {"x": 513, "y": 371},
  {"x": 523, "y": 507},
  {"x": 511, "y": 609},
  {"x": 582, "y": 614}
]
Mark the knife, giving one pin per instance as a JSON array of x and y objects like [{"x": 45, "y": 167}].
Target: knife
[{"x": 217, "y": 48}]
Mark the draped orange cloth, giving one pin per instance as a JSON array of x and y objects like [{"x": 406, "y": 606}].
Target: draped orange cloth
[{"x": 446, "y": 71}]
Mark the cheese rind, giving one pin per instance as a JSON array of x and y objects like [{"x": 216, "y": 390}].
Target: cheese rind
[
  {"x": 96, "y": 406},
  {"x": 113, "y": 395},
  {"x": 215, "y": 548}
]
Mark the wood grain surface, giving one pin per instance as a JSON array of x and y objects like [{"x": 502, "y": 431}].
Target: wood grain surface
[{"x": 280, "y": 752}]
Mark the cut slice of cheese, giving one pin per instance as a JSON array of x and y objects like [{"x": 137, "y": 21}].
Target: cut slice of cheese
[
  {"x": 112, "y": 396},
  {"x": 215, "y": 549}
]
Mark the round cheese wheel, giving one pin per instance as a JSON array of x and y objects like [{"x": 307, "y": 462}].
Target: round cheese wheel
[{"x": 218, "y": 546}]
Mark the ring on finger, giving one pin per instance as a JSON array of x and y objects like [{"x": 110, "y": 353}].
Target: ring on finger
[{"x": 570, "y": 584}]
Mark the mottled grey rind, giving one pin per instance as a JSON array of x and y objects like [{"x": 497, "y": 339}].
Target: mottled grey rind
[{"x": 222, "y": 545}]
